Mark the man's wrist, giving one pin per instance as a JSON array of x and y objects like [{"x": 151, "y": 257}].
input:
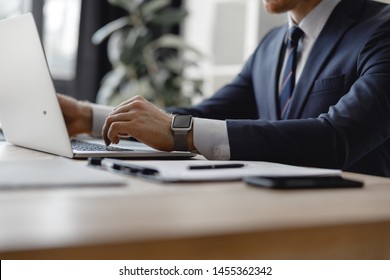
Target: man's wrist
[{"x": 181, "y": 126}]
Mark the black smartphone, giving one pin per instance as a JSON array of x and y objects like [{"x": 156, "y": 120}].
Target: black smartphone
[{"x": 302, "y": 182}]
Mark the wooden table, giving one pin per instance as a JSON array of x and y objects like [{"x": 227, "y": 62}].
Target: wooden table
[{"x": 230, "y": 220}]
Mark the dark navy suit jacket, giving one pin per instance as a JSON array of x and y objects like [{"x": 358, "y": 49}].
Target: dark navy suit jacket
[{"x": 340, "y": 111}]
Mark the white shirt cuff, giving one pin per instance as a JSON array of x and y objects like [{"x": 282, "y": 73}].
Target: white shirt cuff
[
  {"x": 211, "y": 139},
  {"x": 99, "y": 115}
]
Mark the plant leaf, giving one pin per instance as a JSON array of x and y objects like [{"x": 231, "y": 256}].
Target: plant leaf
[
  {"x": 173, "y": 64},
  {"x": 109, "y": 28},
  {"x": 110, "y": 85},
  {"x": 174, "y": 42},
  {"x": 169, "y": 17},
  {"x": 150, "y": 7},
  {"x": 128, "y": 5},
  {"x": 133, "y": 46},
  {"x": 115, "y": 47}
]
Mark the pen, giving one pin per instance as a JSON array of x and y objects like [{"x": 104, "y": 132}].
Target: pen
[
  {"x": 216, "y": 166},
  {"x": 127, "y": 168}
]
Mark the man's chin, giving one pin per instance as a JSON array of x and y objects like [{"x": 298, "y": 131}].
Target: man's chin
[{"x": 275, "y": 7}]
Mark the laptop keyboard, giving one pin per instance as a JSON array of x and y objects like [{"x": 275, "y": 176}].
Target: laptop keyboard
[{"x": 90, "y": 147}]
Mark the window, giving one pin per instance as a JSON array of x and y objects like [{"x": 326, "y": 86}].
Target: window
[
  {"x": 58, "y": 24},
  {"x": 227, "y": 32},
  {"x": 61, "y": 19},
  {"x": 14, "y": 7}
]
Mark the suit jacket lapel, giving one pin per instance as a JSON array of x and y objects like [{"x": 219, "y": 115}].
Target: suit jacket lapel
[
  {"x": 338, "y": 23},
  {"x": 274, "y": 58}
]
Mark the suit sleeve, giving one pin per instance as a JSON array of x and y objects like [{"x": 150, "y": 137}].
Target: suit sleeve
[{"x": 352, "y": 129}]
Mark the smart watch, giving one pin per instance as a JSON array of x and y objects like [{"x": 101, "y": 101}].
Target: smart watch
[{"x": 181, "y": 125}]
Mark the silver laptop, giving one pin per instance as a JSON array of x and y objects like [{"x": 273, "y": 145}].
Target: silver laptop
[{"x": 30, "y": 114}]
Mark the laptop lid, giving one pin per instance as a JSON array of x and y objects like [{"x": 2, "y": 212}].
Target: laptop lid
[
  {"x": 30, "y": 114},
  {"x": 29, "y": 110}
]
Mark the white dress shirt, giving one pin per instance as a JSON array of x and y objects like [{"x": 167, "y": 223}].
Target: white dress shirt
[
  {"x": 311, "y": 25},
  {"x": 211, "y": 136}
]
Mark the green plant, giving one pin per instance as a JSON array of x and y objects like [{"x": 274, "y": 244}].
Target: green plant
[{"x": 143, "y": 62}]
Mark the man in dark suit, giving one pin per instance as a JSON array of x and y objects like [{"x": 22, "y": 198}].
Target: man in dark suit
[{"x": 316, "y": 92}]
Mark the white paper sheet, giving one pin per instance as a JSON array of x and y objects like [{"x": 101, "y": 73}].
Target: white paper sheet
[{"x": 175, "y": 171}]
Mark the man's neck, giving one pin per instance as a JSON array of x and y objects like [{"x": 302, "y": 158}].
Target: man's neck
[{"x": 302, "y": 10}]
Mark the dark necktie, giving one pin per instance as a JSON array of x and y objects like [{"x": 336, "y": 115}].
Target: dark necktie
[{"x": 288, "y": 78}]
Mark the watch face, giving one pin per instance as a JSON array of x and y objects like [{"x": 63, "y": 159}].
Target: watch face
[{"x": 182, "y": 121}]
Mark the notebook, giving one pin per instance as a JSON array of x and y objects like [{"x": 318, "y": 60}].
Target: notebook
[
  {"x": 30, "y": 114},
  {"x": 53, "y": 172}
]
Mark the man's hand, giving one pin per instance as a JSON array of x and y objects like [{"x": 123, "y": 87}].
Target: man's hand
[
  {"x": 142, "y": 120},
  {"x": 77, "y": 115}
]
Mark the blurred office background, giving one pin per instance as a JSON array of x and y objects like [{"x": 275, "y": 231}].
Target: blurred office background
[{"x": 226, "y": 31}]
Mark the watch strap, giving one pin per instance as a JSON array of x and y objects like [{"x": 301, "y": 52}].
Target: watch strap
[
  {"x": 180, "y": 140},
  {"x": 181, "y": 125}
]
